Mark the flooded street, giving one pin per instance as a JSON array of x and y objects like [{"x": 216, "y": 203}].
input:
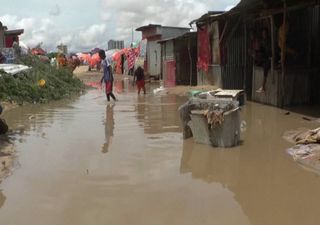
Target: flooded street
[{"x": 82, "y": 161}]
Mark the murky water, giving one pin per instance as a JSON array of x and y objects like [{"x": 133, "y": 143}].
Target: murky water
[{"x": 83, "y": 162}]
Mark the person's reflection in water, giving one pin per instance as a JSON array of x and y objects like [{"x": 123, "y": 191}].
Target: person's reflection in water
[
  {"x": 141, "y": 109},
  {"x": 109, "y": 126},
  {"x": 119, "y": 86}
]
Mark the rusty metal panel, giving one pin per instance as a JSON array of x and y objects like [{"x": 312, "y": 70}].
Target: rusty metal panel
[
  {"x": 170, "y": 69},
  {"x": 233, "y": 71}
]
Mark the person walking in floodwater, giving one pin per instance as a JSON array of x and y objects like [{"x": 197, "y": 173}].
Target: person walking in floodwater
[
  {"x": 139, "y": 77},
  {"x": 107, "y": 75}
]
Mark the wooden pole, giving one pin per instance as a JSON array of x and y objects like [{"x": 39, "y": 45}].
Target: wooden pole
[
  {"x": 272, "y": 47},
  {"x": 190, "y": 59},
  {"x": 245, "y": 57},
  {"x": 283, "y": 54}
]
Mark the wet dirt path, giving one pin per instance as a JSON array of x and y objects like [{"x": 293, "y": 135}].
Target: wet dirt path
[{"x": 82, "y": 162}]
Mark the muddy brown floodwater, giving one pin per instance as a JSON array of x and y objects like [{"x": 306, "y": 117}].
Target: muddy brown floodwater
[{"x": 81, "y": 162}]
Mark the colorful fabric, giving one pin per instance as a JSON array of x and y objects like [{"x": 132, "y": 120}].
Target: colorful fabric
[
  {"x": 131, "y": 58},
  {"x": 108, "y": 87},
  {"x": 204, "y": 51},
  {"x": 132, "y": 55},
  {"x": 140, "y": 84}
]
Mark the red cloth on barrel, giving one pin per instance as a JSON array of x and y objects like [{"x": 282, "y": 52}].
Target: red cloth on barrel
[{"x": 204, "y": 49}]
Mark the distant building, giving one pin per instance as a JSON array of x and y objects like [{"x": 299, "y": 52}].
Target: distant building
[
  {"x": 154, "y": 33},
  {"x": 7, "y": 37},
  {"x": 62, "y": 49},
  {"x": 114, "y": 44}
]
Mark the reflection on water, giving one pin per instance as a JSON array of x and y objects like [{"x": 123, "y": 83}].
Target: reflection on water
[
  {"x": 150, "y": 174},
  {"x": 2, "y": 199},
  {"x": 109, "y": 126},
  {"x": 159, "y": 113},
  {"x": 269, "y": 186},
  {"x": 210, "y": 165}
]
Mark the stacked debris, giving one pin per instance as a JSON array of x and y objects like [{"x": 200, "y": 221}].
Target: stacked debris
[
  {"x": 307, "y": 148},
  {"x": 211, "y": 121},
  {"x": 215, "y": 114}
]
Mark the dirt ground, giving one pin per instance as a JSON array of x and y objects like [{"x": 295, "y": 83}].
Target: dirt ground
[{"x": 95, "y": 76}]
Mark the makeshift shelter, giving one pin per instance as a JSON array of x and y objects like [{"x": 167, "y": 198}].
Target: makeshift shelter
[
  {"x": 178, "y": 60},
  {"x": 124, "y": 56},
  {"x": 154, "y": 33},
  {"x": 38, "y": 51},
  {"x": 292, "y": 29},
  {"x": 7, "y": 37}
]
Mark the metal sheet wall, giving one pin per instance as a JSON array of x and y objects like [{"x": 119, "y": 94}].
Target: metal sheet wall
[
  {"x": 234, "y": 68},
  {"x": 315, "y": 55}
]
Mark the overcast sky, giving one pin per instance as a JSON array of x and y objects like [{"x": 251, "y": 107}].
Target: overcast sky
[{"x": 84, "y": 24}]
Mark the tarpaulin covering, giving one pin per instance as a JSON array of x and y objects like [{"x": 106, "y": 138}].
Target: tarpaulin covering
[
  {"x": 118, "y": 62},
  {"x": 84, "y": 57},
  {"x": 13, "y": 68},
  {"x": 95, "y": 59},
  {"x": 204, "y": 50},
  {"x": 131, "y": 55},
  {"x": 38, "y": 51}
]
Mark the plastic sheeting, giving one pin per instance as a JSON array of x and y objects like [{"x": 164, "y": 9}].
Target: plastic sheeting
[
  {"x": 13, "y": 68},
  {"x": 307, "y": 149}
]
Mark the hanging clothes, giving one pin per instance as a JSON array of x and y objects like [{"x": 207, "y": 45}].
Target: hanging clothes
[{"x": 204, "y": 49}]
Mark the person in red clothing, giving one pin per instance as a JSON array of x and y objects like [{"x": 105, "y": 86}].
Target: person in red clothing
[{"x": 139, "y": 77}]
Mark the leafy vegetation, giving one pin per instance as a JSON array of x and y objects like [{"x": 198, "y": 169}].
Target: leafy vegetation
[{"x": 59, "y": 83}]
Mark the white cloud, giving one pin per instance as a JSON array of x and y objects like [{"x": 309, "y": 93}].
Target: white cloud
[
  {"x": 85, "y": 39},
  {"x": 47, "y": 32},
  {"x": 55, "y": 11},
  {"x": 127, "y": 13},
  {"x": 115, "y": 19}
]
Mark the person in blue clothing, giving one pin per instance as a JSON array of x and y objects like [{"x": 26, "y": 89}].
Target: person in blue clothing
[{"x": 107, "y": 77}]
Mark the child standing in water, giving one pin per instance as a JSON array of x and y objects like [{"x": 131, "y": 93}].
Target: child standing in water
[
  {"x": 139, "y": 77},
  {"x": 107, "y": 75}
]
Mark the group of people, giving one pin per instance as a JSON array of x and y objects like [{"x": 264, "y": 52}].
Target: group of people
[
  {"x": 108, "y": 78},
  {"x": 72, "y": 61}
]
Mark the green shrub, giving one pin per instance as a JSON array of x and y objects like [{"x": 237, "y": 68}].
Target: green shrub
[{"x": 60, "y": 83}]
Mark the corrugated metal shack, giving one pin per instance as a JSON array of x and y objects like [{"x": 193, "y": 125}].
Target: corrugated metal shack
[
  {"x": 292, "y": 29},
  {"x": 179, "y": 57},
  {"x": 208, "y": 48},
  {"x": 153, "y": 33}
]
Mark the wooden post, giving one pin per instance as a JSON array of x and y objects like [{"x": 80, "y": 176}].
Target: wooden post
[
  {"x": 245, "y": 57},
  {"x": 190, "y": 59},
  {"x": 283, "y": 54},
  {"x": 272, "y": 47}
]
